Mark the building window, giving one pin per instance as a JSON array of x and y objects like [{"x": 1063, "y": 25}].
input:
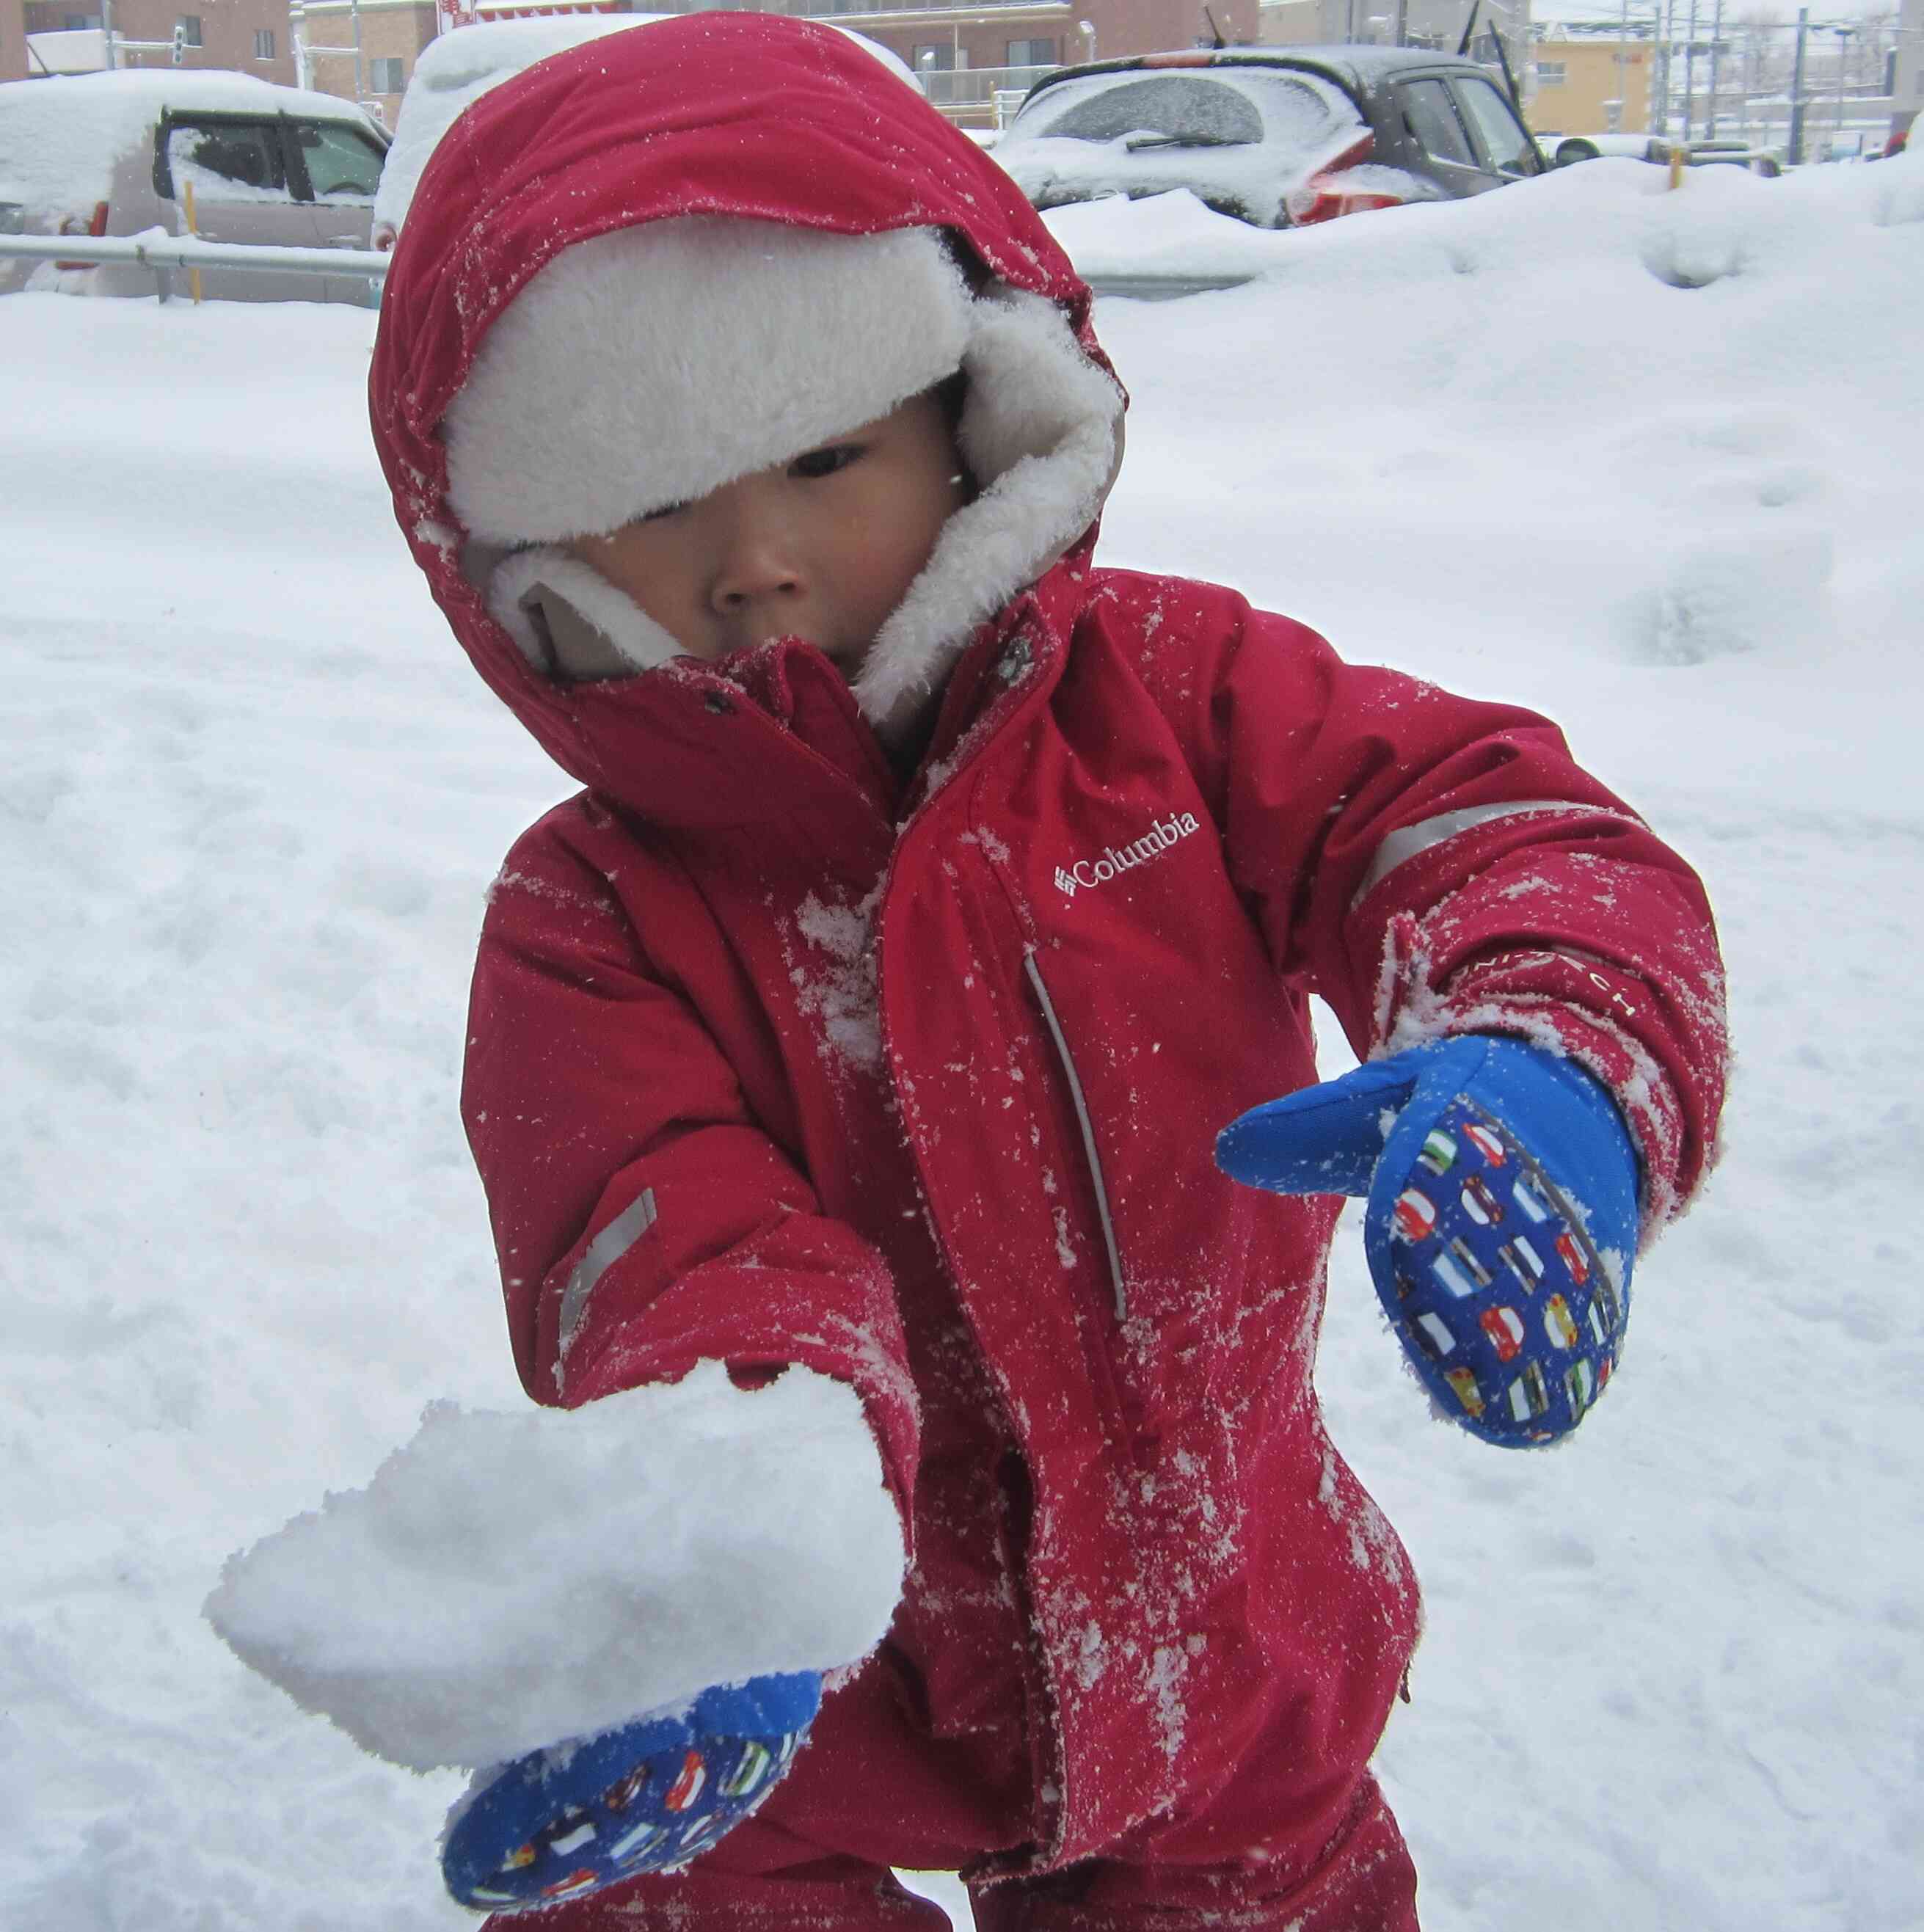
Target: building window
[
  {"x": 188, "y": 27},
  {"x": 933, "y": 57},
  {"x": 385, "y": 77},
  {"x": 1031, "y": 53},
  {"x": 1551, "y": 73},
  {"x": 263, "y": 44}
]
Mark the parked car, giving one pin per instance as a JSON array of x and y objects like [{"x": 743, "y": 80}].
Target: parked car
[
  {"x": 1732, "y": 155},
  {"x": 459, "y": 68},
  {"x": 1278, "y": 137},
  {"x": 115, "y": 154},
  {"x": 1567, "y": 149}
]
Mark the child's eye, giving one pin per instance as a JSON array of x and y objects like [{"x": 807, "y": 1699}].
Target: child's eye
[
  {"x": 826, "y": 462},
  {"x": 666, "y": 510}
]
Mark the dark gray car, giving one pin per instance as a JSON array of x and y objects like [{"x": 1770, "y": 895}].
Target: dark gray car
[{"x": 1280, "y": 137}]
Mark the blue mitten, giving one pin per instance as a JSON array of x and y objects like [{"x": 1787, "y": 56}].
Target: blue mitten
[
  {"x": 1502, "y": 1222},
  {"x": 650, "y": 1796}
]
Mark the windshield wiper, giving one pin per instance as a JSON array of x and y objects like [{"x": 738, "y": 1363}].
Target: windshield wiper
[{"x": 1132, "y": 141}]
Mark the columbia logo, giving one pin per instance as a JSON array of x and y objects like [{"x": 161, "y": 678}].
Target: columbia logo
[{"x": 1157, "y": 840}]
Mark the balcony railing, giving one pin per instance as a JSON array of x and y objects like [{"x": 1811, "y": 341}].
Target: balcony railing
[
  {"x": 978, "y": 86},
  {"x": 832, "y": 9}
]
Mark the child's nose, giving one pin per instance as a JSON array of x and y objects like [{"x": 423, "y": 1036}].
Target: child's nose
[{"x": 759, "y": 555}]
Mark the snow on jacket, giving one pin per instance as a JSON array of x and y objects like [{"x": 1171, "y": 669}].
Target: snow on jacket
[{"x": 779, "y": 1056}]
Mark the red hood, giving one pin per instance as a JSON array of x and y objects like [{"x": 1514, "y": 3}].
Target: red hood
[{"x": 668, "y": 119}]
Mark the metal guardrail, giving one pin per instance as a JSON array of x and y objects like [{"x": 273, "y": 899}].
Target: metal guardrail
[
  {"x": 1161, "y": 288},
  {"x": 167, "y": 255}
]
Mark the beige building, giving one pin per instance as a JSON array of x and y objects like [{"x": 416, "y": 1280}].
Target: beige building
[
  {"x": 42, "y": 37},
  {"x": 1436, "y": 24},
  {"x": 968, "y": 53},
  {"x": 364, "y": 49},
  {"x": 1590, "y": 85},
  {"x": 969, "y": 56}
]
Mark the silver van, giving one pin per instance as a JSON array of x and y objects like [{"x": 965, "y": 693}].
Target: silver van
[{"x": 120, "y": 154}]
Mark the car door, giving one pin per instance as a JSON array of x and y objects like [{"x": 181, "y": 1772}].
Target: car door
[
  {"x": 1506, "y": 147},
  {"x": 237, "y": 167},
  {"x": 338, "y": 167},
  {"x": 1437, "y": 141}
]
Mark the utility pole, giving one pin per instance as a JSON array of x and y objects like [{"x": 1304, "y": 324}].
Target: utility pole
[
  {"x": 1617, "y": 110},
  {"x": 1669, "y": 64},
  {"x": 1796, "y": 154},
  {"x": 1690, "y": 74},
  {"x": 1843, "y": 47},
  {"x": 108, "y": 52},
  {"x": 1716, "y": 46}
]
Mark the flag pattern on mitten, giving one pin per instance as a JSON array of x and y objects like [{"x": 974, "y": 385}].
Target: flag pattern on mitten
[
  {"x": 651, "y": 1796},
  {"x": 1506, "y": 1306}
]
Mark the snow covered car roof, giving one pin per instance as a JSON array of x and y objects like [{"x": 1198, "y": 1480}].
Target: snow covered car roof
[
  {"x": 1273, "y": 136},
  {"x": 60, "y": 138},
  {"x": 459, "y": 68},
  {"x": 1237, "y": 137}
]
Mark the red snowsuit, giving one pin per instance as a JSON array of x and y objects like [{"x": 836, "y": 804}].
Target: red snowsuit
[{"x": 790, "y": 1059}]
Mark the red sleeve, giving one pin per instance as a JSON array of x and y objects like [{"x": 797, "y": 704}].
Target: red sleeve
[
  {"x": 643, "y": 1219},
  {"x": 1431, "y": 864}
]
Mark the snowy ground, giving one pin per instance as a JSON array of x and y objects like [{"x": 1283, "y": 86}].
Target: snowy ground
[{"x": 253, "y": 795}]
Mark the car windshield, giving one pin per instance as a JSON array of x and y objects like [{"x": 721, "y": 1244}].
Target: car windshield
[
  {"x": 1178, "y": 110},
  {"x": 340, "y": 161}
]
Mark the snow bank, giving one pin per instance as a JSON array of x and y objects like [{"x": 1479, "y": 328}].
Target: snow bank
[
  {"x": 1598, "y": 218},
  {"x": 1663, "y": 406},
  {"x": 507, "y": 1581}
]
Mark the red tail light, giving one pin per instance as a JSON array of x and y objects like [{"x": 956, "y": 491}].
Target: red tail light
[
  {"x": 69, "y": 224},
  {"x": 1324, "y": 195}
]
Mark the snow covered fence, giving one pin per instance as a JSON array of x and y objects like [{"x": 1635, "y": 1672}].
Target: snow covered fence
[{"x": 163, "y": 253}]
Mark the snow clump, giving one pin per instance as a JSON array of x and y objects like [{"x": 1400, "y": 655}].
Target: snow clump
[{"x": 507, "y": 1581}]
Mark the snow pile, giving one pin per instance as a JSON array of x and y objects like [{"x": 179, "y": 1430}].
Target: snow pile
[
  {"x": 1602, "y": 220},
  {"x": 1656, "y": 403},
  {"x": 507, "y": 1581}
]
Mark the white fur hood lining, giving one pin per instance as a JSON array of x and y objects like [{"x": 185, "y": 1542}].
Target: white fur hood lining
[{"x": 539, "y": 425}]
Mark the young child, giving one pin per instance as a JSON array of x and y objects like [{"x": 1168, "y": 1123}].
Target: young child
[{"x": 935, "y": 898}]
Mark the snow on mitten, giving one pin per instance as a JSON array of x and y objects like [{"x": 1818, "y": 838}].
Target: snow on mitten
[
  {"x": 649, "y": 1796},
  {"x": 1501, "y": 1224}
]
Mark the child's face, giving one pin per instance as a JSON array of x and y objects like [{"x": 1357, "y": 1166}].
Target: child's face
[{"x": 822, "y": 547}]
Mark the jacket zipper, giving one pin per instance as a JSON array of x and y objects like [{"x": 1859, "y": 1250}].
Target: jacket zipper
[{"x": 1033, "y": 968}]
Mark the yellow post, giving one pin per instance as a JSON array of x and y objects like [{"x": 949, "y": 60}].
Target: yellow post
[
  {"x": 1677, "y": 158},
  {"x": 193, "y": 275}
]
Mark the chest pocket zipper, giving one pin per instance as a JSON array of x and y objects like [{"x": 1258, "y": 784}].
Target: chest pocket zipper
[{"x": 1033, "y": 968}]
